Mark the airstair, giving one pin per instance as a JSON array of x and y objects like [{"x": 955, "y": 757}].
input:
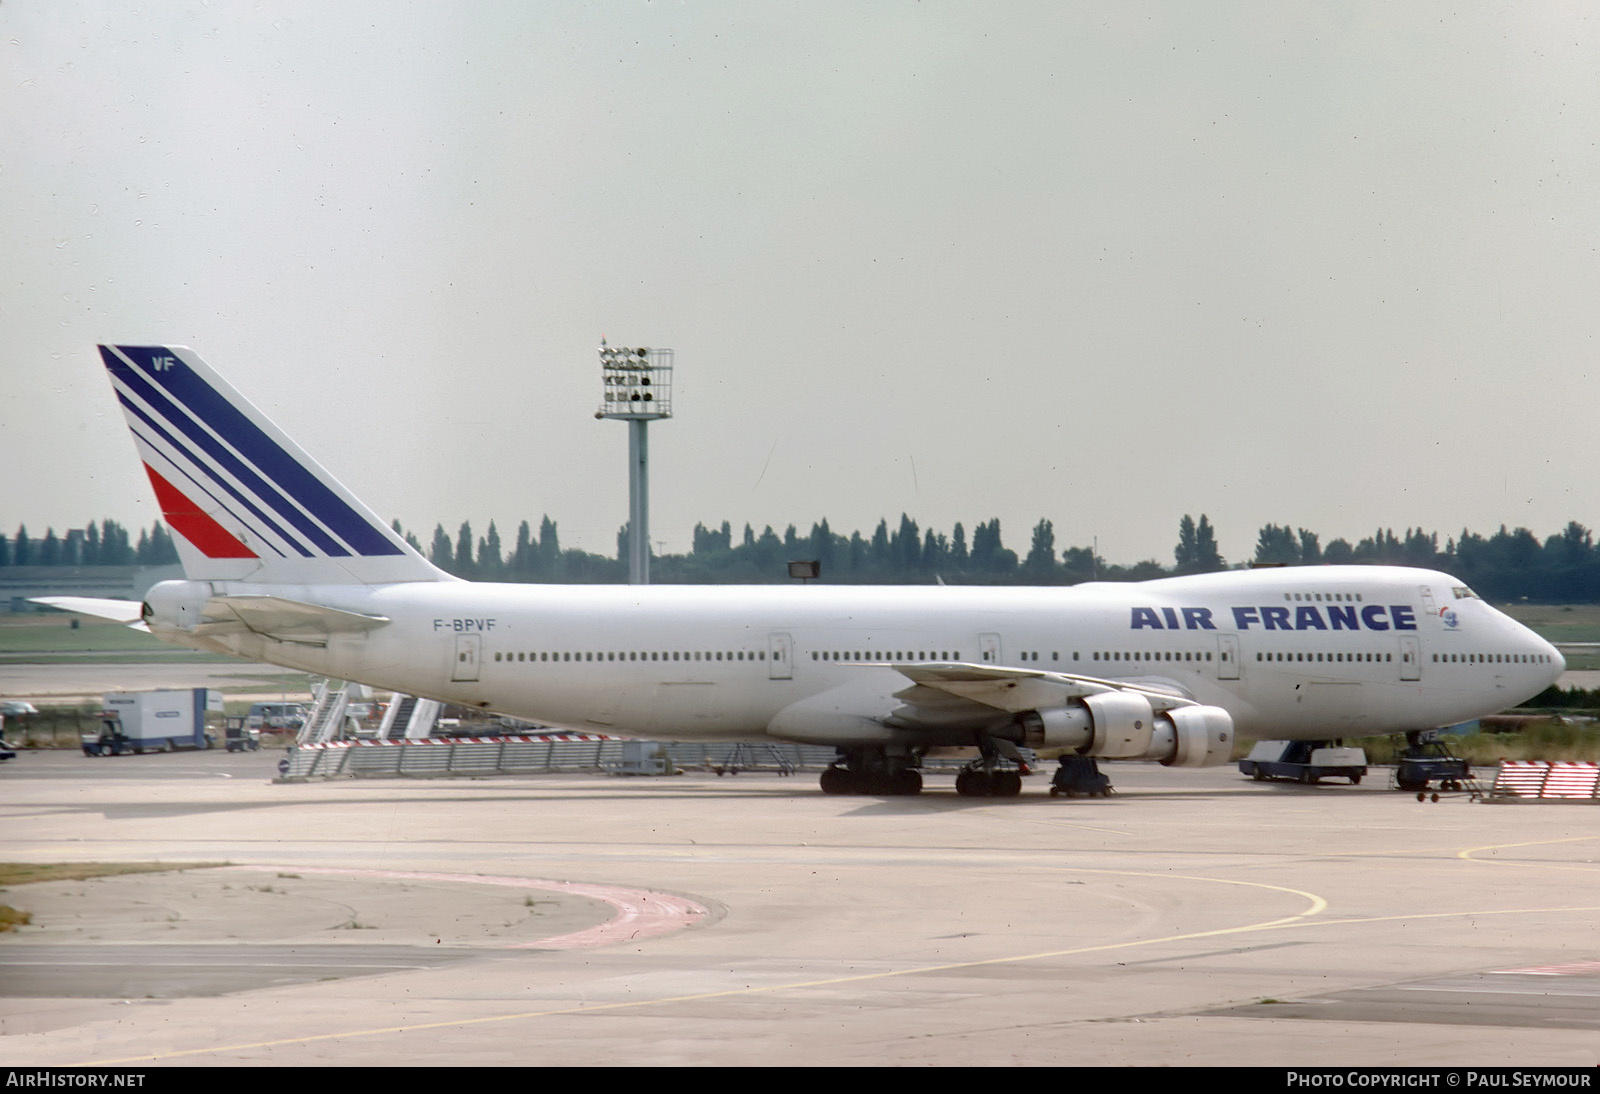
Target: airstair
[
  {"x": 326, "y": 719},
  {"x": 408, "y": 718}
]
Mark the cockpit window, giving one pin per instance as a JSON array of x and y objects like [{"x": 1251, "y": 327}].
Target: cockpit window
[{"x": 1463, "y": 593}]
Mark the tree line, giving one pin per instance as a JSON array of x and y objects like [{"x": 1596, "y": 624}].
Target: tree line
[
  {"x": 104, "y": 544},
  {"x": 1506, "y": 565},
  {"x": 1512, "y": 564}
]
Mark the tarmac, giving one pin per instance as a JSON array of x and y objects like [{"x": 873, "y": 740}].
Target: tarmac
[
  {"x": 1194, "y": 918},
  {"x": 72, "y": 681}
]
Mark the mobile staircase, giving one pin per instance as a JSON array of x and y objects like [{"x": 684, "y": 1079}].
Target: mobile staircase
[
  {"x": 326, "y": 719},
  {"x": 409, "y": 718}
]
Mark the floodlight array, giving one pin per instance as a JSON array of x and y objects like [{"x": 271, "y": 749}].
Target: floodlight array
[{"x": 637, "y": 382}]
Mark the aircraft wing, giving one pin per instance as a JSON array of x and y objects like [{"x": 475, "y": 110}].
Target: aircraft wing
[
  {"x": 946, "y": 700},
  {"x": 1014, "y": 690}
]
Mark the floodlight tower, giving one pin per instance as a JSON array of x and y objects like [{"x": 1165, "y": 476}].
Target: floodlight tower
[{"x": 638, "y": 390}]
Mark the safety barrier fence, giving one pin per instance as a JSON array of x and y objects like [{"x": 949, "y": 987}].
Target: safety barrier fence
[
  {"x": 454, "y": 756},
  {"x": 1542, "y": 780}
]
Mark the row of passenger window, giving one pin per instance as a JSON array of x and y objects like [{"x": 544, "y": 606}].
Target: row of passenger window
[
  {"x": 1148, "y": 655},
  {"x": 1353, "y": 598},
  {"x": 1492, "y": 658},
  {"x": 893, "y": 655},
  {"x": 1348, "y": 657},
  {"x": 636, "y": 655}
]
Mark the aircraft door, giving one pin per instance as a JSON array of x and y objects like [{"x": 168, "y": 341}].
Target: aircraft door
[
  {"x": 1227, "y": 657},
  {"x": 989, "y": 649},
  {"x": 468, "y": 649},
  {"x": 780, "y": 657},
  {"x": 1410, "y": 658}
]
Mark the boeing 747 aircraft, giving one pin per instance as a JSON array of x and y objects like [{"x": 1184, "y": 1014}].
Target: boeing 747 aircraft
[{"x": 282, "y": 564}]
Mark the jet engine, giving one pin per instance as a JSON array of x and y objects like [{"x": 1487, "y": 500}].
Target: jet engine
[
  {"x": 1121, "y": 725},
  {"x": 173, "y": 608}
]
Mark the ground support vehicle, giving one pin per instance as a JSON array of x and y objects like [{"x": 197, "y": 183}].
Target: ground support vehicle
[
  {"x": 276, "y": 716},
  {"x": 1426, "y": 762},
  {"x": 1304, "y": 762},
  {"x": 110, "y": 741},
  {"x": 1079, "y": 775},
  {"x": 164, "y": 720},
  {"x": 240, "y": 738}
]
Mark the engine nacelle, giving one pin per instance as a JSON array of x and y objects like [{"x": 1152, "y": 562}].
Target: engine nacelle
[
  {"x": 1121, "y": 725},
  {"x": 1115, "y": 725},
  {"x": 1195, "y": 736},
  {"x": 1057, "y": 727},
  {"x": 174, "y": 608}
]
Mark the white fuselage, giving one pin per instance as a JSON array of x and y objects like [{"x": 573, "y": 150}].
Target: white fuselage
[{"x": 1308, "y": 653}]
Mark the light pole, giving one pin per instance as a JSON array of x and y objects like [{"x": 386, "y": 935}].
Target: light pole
[{"x": 637, "y": 390}]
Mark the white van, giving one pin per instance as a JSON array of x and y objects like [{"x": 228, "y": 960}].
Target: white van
[{"x": 275, "y": 716}]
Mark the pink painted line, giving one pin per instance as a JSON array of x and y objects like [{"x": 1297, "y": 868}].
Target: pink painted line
[
  {"x": 640, "y": 913},
  {"x": 1575, "y": 968}
]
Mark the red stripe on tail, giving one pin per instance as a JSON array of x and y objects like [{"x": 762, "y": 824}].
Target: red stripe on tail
[{"x": 193, "y": 524}]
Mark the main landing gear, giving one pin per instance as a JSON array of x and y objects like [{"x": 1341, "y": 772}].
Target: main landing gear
[
  {"x": 989, "y": 776},
  {"x": 873, "y": 771},
  {"x": 978, "y": 783}
]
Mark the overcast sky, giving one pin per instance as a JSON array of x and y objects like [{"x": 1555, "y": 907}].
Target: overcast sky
[{"x": 1327, "y": 265}]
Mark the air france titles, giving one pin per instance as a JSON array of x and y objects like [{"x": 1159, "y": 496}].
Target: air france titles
[{"x": 1282, "y": 617}]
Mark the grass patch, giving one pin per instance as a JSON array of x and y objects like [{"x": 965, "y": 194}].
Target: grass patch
[
  {"x": 1558, "y": 622},
  {"x": 53, "y": 632},
  {"x": 1550, "y": 740},
  {"x": 1546, "y": 740},
  {"x": 22, "y": 873}
]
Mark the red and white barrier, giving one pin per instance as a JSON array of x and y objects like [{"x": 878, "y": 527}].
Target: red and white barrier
[
  {"x": 1547, "y": 780},
  {"x": 549, "y": 738}
]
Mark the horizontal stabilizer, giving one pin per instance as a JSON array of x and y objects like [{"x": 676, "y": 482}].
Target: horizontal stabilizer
[{"x": 118, "y": 611}]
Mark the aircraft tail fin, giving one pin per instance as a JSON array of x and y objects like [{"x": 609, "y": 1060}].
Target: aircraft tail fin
[{"x": 243, "y": 501}]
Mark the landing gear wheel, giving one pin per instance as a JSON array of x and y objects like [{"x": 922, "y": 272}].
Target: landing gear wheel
[
  {"x": 838, "y": 780},
  {"x": 974, "y": 784},
  {"x": 907, "y": 781}
]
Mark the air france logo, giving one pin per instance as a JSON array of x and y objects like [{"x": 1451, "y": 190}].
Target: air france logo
[
  {"x": 1448, "y": 615},
  {"x": 1280, "y": 617}
]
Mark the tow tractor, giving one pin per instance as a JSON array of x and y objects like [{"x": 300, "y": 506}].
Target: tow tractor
[
  {"x": 1304, "y": 762},
  {"x": 1425, "y": 761},
  {"x": 1080, "y": 775},
  {"x": 239, "y": 736},
  {"x": 110, "y": 741}
]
